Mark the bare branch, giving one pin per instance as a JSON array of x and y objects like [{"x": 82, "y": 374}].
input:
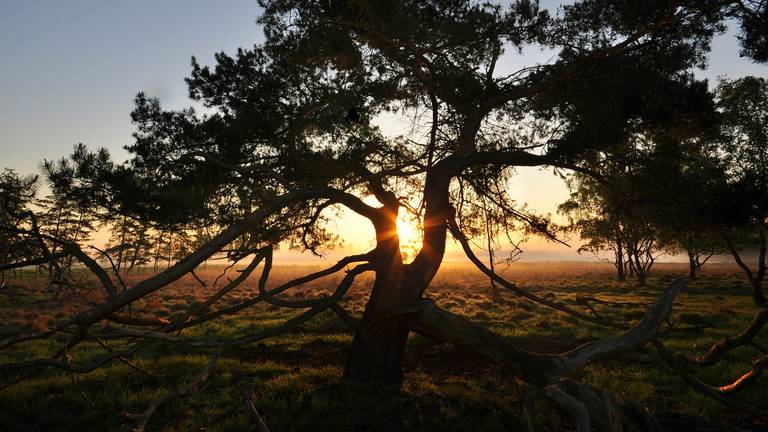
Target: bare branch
[
  {"x": 716, "y": 351},
  {"x": 462, "y": 239}
]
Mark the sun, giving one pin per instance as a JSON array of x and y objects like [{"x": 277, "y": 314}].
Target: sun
[{"x": 409, "y": 231}]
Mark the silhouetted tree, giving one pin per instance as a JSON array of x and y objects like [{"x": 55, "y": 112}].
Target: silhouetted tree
[
  {"x": 17, "y": 193},
  {"x": 753, "y": 21},
  {"x": 744, "y": 106},
  {"x": 288, "y": 135},
  {"x": 615, "y": 221}
]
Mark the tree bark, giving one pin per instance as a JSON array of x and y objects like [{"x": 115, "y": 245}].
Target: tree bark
[
  {"x": 692, "y": 265},
  {"x": 376, "y": 352},
  {"x": 621, "y": 273},
  {"x": 377, "y": 348}
]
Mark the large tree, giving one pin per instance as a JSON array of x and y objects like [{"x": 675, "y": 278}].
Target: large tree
[{"x": 289, "y": 133}]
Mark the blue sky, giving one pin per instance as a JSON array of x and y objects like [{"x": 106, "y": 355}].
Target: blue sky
[{"x": 69, "y": 71}]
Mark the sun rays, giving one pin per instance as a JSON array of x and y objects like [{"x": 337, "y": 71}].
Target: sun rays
[{"x": 410, "y": 233}]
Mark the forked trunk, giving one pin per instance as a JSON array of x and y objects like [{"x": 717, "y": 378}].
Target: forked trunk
[
  {"x": 377, "y": 349},
  {"x": 376, "y": 352},
  {"x": 641, "y": 278}
]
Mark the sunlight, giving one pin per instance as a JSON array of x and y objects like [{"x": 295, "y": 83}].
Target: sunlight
[{"x": 409, "y": 231}]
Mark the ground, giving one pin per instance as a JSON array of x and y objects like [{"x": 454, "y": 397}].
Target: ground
[{"x": 295, "y": 383}]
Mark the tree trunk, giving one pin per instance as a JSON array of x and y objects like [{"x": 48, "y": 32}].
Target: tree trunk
[
  {"x": 376, "y": 352},
  {"x": 621, "y": 274},
  {"x": 640, "y": 271},
  {"x": 489, "y": 238},
  {"x": 377, "y": 349},
  {"x": 692, "y": 265},
  {"x": 757, "y": 293},
  {"x": 641, "y": 279},
  {"x": 122, "y": 245}
]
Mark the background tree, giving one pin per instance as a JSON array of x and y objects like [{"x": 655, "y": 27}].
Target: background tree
[
  {"x": 744, "y": 106},
  {"x": 684, "y": 186},
  {"x": 17, "y": 193}
]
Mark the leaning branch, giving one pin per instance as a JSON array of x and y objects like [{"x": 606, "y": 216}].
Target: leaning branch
[
  {"x": 432, "y": 321},
  {"x": 462, "y": 239}
]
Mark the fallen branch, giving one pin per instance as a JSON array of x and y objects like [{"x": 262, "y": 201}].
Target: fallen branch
[
  {"x": 758, "y": 366},
  {"x": 578, "y": 410},
  {"x": 432, "y": 321},
  {"x": 713, "y": 392},
  {"x": 716, "y": 351}
]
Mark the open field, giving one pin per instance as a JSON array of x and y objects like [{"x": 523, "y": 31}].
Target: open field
[{"x": 295, "y": 381}]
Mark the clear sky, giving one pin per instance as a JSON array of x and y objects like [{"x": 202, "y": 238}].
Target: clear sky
[{"x": 69, "y": 71}]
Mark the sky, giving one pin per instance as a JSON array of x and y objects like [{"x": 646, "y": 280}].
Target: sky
[{"x": 69, "y": 71}]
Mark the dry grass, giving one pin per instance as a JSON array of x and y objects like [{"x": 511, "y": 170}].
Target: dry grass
[{"x": 296, "y": 376}]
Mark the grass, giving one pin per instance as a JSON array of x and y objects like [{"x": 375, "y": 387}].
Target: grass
[{"x": 295, "y": 379}]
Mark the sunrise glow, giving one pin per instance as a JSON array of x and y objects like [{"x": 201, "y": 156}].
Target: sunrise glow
[{"x": 409, "y": 231}]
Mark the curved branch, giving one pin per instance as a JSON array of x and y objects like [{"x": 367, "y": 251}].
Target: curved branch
[
  {"x": 432, "y": 321},
  {"x": 291, "y": 284},
  {"x": 462, "y": 239},
  {"x": 33, "y": 261},
  {"x": 719, "y": 349},
  {"x": 574, "y": 407},
  {"x": 758, "y": 366},
  {"x": 197, "y": 310},
  {"x": 521, "y": 158},
  {"x": 286, "y": 326},
  {"x": 269, "y": 296},
  {"x": 218, "y": 242},
  {"x": 639, "y": 335},
  {"x": 74, "y": 249},
  {"x": 713, "y": 392}
]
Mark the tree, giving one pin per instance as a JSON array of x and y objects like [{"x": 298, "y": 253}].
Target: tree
[
  {"x": 130, "y": 244},
  {"x": 683, "y": 187},
  {"x": 753, "y": 19},
  {"x": 744, "y": 106},
  {"x": 288, "y": 136},
  {"x": 623, "y": 211},
  {"x": 16, "y": 195},
  {"x": 721, "y": 190},
  {"x": 600, "y": 229}
]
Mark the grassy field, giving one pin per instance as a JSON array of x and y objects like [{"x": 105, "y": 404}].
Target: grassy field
[{"x": 294, "y": 380}]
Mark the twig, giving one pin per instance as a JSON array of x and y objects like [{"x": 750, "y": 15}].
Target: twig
[{"x": 201, "y": 378}]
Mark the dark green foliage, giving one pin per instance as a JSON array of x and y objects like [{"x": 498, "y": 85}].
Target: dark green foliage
[
  {"x": 753, "y": 17},
  {"x": 17, "y": 193}
]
